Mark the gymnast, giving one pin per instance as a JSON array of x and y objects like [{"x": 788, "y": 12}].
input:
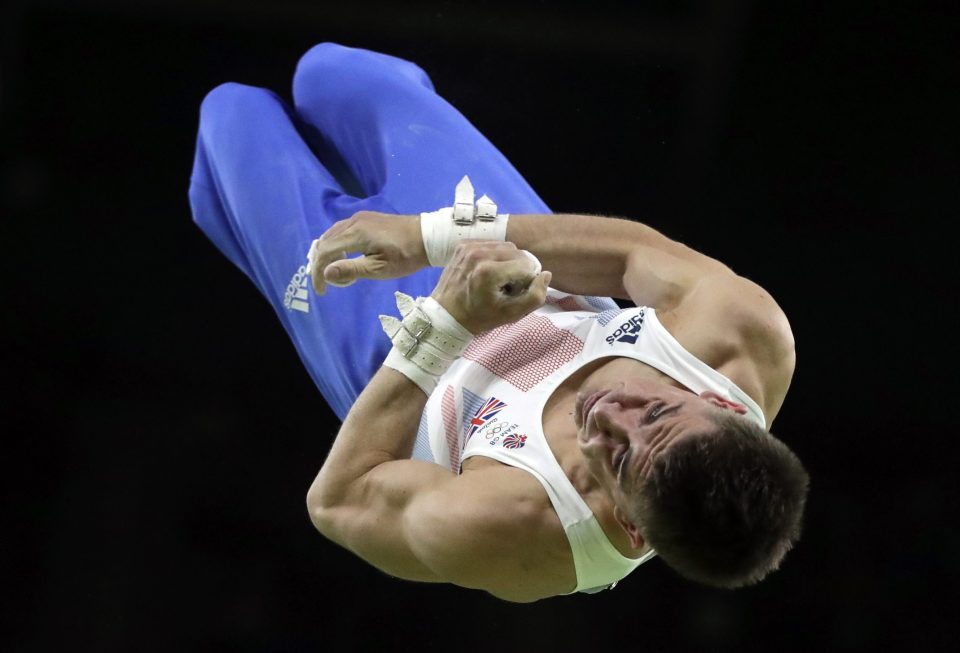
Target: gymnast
[{"x": 506, "y": 424}]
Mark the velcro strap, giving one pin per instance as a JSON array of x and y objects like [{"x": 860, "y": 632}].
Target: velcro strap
[
  {"x": 426, "y": 381},
  {"x": 426, "y": 357},
  {"x": 428, "y": 337},
  {"x": 442, "y": 229}
]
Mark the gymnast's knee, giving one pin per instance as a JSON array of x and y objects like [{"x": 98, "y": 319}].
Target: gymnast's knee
[
  {"x": 231, "y": 104},
  {"x": 329, "y": 70}
]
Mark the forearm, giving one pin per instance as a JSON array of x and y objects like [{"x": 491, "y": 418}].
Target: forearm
[
  {"x": 609, "y": 257},
  {"x": 587, "y": 254},
  {"x": 380, "y": 427}
]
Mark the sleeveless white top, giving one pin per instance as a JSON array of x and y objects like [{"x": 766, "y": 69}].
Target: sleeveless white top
[{"x": 490, "y": 403}]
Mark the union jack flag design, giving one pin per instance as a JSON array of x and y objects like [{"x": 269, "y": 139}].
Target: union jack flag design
[{"x": 485, "y": 413}]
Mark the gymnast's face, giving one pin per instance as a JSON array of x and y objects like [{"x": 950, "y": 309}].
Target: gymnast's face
[{"x": 624, "y": 427}]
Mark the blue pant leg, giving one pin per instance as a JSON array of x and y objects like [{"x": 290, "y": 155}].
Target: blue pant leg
[
  {"x": 259, "y": 193},
  {"x": 405, "y": 145},
  {"x": 403, "y": 142}
]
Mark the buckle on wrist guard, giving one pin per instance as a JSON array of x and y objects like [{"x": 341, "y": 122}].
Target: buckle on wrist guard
[
  {"x": 465, "y": 212},
  {"x": 415, "y": 345},
  {"x": 426, "y": 335}
]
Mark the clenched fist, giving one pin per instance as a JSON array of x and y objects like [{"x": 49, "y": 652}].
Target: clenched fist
[{"x": 489, "y": 283}]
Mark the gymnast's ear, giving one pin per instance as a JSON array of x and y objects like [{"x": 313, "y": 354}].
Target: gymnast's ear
[
  {"x": 722, "y": 402},
  {"x": 636, "y": 539}
]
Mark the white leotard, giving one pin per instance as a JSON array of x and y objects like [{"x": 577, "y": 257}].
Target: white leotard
[{"x": 490, "y": 403}]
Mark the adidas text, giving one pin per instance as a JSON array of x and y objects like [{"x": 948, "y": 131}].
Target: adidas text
[
  {"x": 297, "y": 295},
  {"x": 628, "y": 331}
]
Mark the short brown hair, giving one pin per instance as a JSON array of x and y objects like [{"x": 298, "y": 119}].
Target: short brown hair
[{"x": 723, "y": 508}]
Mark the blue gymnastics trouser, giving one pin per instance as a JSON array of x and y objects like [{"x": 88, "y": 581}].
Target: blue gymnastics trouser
[{"x": 262, "y": 189}]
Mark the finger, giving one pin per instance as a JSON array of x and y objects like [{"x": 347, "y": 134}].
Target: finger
[
  {"x": 543, "y": 285},
  {"x": 345, "y": 272},
  {"x": 515, "y": 275},
  {"x": 530, "y": 299},
  {"x": 325, "y": 251},
  {"x": 535, "y": 295},
  {"x": 317, "y": 260},
  {"x": 335, "y": 229},
  {"x": 533, "y": 259}
]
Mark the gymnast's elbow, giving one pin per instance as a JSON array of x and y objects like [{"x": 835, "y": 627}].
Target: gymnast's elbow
[{"x": 322, "y": 508}]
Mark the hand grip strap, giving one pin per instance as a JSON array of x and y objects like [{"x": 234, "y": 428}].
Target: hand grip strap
[
  {"x": 426, "y": 342},
  {"x": 441, "y": 230}
]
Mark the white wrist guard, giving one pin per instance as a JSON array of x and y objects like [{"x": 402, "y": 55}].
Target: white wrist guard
[
  {"x": 426, "y": 342},
  {"x": 443, "y": 229}
]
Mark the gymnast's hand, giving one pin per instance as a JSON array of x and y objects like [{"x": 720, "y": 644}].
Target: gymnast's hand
[
  {"x": 489, "y": 283},
  {"x": 391, "y": 247}
]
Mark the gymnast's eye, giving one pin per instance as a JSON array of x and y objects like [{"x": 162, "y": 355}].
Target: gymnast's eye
[
  {"x": 654, "y": 411},
  {"x": 623, "y": 464}
]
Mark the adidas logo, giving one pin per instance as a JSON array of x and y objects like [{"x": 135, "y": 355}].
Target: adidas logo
[
  {"x": 296, "y": 296},
  {"x": 629, "y": 331}
]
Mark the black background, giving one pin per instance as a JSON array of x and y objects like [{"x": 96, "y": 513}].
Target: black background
[{"x": 160, "y": 431}]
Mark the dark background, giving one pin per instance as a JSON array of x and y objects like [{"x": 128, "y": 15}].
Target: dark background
[{"x": 160, "y": 432}]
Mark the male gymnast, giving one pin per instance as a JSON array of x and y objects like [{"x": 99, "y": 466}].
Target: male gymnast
[{"x": 515, "y": 430}]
